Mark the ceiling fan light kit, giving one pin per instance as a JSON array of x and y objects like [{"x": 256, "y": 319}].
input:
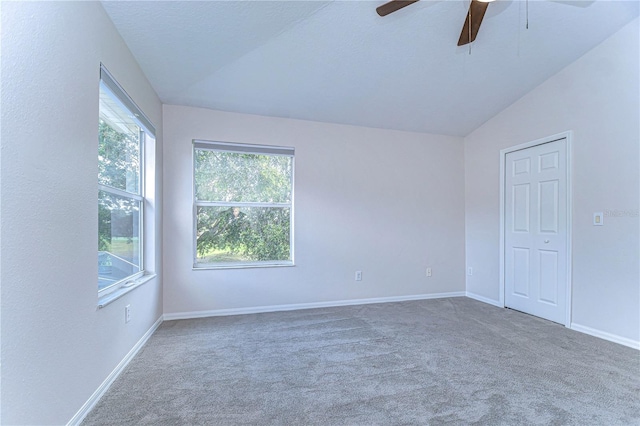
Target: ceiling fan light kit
[{"x": 477, "y": 9}]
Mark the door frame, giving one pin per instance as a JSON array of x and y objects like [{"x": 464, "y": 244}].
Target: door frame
[{"x": 503, "y": 158}]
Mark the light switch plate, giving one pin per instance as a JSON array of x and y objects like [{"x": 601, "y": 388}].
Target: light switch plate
[{"x": 598, "y": 219}]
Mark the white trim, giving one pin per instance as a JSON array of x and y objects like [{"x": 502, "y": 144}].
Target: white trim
[
  {"x": 501, "y": 267},
  {"x": 292, "y": 222},
  {"x": 121, "y": 193},
  {"x": 242, "y": 265},
  {"x": 239, "y": 148},
  {"x": 634, "y": 344},
  {"x": 503, "y": 153},
  {"x": 569, "y": 136},
  {"x": 284, "y": 151},
  {"x": 484, "y": 299},
  {"x": 126, "y": 285},
  {"x": 298, "y": 306},
  {"x": 93, "y": 399},
  {"x": 241, "y": 204}
]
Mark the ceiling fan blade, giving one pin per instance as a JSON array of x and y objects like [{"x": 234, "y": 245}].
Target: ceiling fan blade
[
  {"x": 392, "y": 6},
  {"x": 476, "y": 13}
]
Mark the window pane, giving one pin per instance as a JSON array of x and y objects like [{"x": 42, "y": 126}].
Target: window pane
[
  {"x": 119, "y": 251},
  {"x": 248, "y": 234},
  {"x": 118, "y": 147},
  {"x": 234, "y": 177}
]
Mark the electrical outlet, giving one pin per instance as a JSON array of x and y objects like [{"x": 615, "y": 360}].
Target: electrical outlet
[
  {"x": 127, "y": 313},
  {"x": 428, "y": 272},
  {"x": 358, "y": 275},
  {"x": 469, "y": 270}
]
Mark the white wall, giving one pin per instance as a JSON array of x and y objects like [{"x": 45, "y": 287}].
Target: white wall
[
  {"x": 597, "y": 98},
  {"x": 57, "y": 347},
  {"x": 388, "y": 203},
  {"x": 385, "y": 202}
]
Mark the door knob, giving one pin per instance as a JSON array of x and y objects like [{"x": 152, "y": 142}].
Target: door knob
[{"x": 546, "y": 241}]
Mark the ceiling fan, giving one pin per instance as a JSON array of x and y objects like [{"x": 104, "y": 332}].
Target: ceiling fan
[{"x": 477, "y": 8}]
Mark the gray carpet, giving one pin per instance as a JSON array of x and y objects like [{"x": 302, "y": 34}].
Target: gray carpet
[{"x": 445, "y": 361}]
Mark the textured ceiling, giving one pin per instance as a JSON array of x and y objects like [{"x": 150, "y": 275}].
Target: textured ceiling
[{"x": 340, "y": 62}]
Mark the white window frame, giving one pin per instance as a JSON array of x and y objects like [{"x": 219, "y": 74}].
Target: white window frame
[
  {"x": 120, "y": 96},
  {"x": 240, "y": 148}
]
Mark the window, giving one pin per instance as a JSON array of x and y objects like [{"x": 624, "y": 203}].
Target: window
[
  {"x": 243, "y": 209},
  {"x": 122, "y": 129}
]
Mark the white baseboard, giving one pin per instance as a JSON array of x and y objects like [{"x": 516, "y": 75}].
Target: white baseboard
[
  {"x": 297, "y": 306},
  {"x": 606, "y": 336},
  {"x": 484, "y": 299},
  {"x": 93, "y": 400}
]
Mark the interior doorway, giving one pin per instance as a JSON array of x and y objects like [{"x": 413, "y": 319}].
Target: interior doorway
[{"x": 535, "y": 228}]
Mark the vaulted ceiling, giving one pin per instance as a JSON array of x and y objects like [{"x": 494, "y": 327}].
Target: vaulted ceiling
[{"x": 339, "y": 62}]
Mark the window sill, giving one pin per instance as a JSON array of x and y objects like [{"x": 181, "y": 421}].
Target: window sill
[
  {"x": 124, "y": 289},
  {"x": 205, "y": 267}
]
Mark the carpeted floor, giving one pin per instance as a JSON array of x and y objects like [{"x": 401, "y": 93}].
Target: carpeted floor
[{"x": 444, "y": 361}]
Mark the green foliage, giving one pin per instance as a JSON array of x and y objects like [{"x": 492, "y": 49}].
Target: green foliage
[
  {"x": 118, "y": 167},
  {"x": 104, "y": 228},
  {"x": 252, "y": 233},
  {"x": 118, "y": 158},
  {"x": 233, "y": 177},
  {"x": 256, "y": 234}
]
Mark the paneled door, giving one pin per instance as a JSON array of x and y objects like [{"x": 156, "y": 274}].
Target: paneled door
[{"x": 535, "y": 222}]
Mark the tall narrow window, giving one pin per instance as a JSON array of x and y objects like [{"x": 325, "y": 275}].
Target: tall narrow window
[
  {"x": 121, "y": 135},
  {"x": 243, "y": 205}
]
